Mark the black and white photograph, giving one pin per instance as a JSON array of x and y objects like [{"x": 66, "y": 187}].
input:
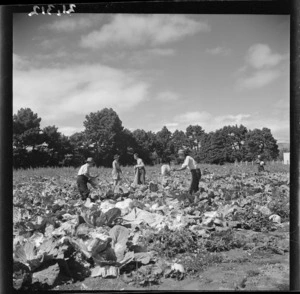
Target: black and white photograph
[{"x": 151, "y": 151}]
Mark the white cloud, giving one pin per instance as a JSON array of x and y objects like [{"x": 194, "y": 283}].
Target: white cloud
[
  {"x": 231, "y": 119},
  {"x": 171, "y": 125},
  {"x": 64, "y": 94},
  {"x": 167, "y": 96},
  {"x": 69, "y": 130},
  {"x": 193, "y": 117},
  {"x": 260, "y": 56},
  {"x": 261, "y": 67},
  {"x": 258, "y": 79},
  {"x": 218, "y": 51},
  {"x": 137, "y": 30},
  {"x": 69, "y": 24}
]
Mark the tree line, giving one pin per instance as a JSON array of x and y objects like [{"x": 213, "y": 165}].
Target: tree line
[{"x": 104, "y": 136}]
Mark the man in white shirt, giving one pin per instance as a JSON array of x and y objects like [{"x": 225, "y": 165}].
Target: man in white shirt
[
  {"x": 84, "y": 177},
  {"x": 191, "y": 164}
]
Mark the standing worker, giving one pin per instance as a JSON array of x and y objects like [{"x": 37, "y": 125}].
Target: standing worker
[
  {"x": 84, "y": 177},
  {"x": 116, "y": 172},
  {"x": 165, "y": 172},
  {"x": 191, "y": 164},
  {"x": 140, "y": 172},
  {"x": 260, "y": 164}
]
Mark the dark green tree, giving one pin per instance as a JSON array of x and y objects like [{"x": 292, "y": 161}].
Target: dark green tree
[
  {"x": 78, "y": 140},
  {"x": 163, "y": 143},
  {"x": 178, "y": 141},
  {"x": 26, "y": 136},
  {"x": 103, "y": 129},
  {"x": 218, "y": 152},
  {"x": 24, "y": 120},
  {"x": 261, "y": 142},
  {"x": 234, "y": 142},
  {"x": 194, "y": 135},
  {"x": 127, "y": 146},
  {"x": 145, "y": 144},
  {"x": 205, "y": 150},
  {"x": 79, "y": 148},
  {"x": 26, "y": 128},
  {"x": 56, "y": 145},
  {"x": 223, "y": 145}
]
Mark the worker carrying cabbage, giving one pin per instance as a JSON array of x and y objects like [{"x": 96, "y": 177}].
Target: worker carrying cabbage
[{"x": 260, "y": 164}]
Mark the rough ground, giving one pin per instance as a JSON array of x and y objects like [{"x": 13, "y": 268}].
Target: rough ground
[
  {"x": 256, "y": 269},
  {"x": 233, "y": 236},
  {"x": 242, "y": 270}
]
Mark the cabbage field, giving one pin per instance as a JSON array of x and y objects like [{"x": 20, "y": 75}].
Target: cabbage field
[{"x": 234, "y": 235}]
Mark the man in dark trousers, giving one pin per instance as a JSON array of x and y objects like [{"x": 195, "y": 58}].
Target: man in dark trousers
[
  {"x": 84, "y": 177},
  {"x": 191, "y": 164}
]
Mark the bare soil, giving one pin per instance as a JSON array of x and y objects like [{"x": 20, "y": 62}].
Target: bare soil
[{"x": 240, "y": 271}]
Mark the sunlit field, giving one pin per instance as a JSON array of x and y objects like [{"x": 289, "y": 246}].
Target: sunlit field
[
  {"x": 149, "y": 236},
  {"x": 154, "y": 171}
]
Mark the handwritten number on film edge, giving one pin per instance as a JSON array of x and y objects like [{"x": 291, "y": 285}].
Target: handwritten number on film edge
[
  {"x": 72, "y": 6},
  {"x": 50, "y": 7},
  {"x": 35, "y": 7}
]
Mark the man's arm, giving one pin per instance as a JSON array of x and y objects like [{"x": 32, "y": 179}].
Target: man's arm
[
  {"x": 140, "y": 163},
  {"x": 184, "y": 165},
  {"x": 181, "y": 168},
  {"x": 88, "y": 175}
]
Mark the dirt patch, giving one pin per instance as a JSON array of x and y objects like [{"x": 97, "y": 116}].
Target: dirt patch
[{"x": 240, "y": 270}]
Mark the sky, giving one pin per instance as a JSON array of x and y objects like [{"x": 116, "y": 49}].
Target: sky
[{"x": 154, "y": 70}]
